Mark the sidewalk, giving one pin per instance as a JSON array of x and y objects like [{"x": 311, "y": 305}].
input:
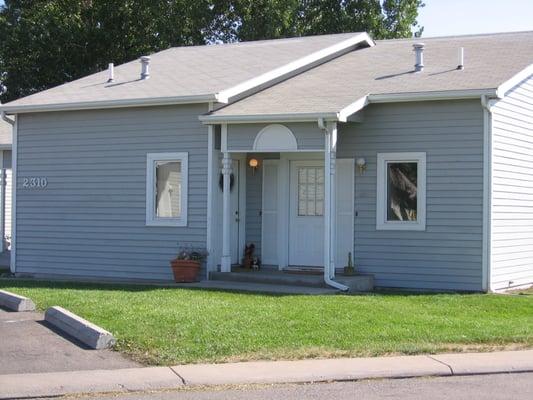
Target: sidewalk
[{"x": 182, "y": 376}]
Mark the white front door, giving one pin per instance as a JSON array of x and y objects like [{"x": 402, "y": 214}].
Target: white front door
[{"x": 306, "y": 213}]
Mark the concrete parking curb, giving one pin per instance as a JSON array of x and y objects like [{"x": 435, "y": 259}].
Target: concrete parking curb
[
  {"x": 304, "y": 371},
  {"x": 86, "y": 332},
  {"x": 15, "y": 302}
]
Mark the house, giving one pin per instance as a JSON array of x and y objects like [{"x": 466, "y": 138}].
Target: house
[
  {"x": 416, "y": 158},
  {"x": 5, "y": 192}
]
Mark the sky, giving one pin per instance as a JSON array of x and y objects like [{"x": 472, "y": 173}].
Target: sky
[{"x": 462, "y": 17}]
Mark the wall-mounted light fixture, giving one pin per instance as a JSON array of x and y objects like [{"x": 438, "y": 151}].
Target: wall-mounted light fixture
[
  {"x": 361, "y": 165},
  {"x": 253, "y": 163}
]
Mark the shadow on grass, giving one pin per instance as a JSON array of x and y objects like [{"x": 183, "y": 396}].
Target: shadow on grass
[{"x": 129, "y": 287}]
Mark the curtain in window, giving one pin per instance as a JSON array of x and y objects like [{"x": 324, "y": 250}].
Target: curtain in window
[{"x": 168, "y": 185}]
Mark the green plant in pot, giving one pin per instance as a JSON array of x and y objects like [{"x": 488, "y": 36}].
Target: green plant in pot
[
  {"x": 186, "y": 265},
  {"x": 350, "y": 268}
]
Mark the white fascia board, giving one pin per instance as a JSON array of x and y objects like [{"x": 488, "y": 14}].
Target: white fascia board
[
  {"x": 353, "y": 108},
  {"x": 427, "y": 96},
  {"x": 247, "y": 119},
  {"x": 297, "y": 66},
  {"x": 515, "y": 80},
  {"x": 92, "y": 105}
]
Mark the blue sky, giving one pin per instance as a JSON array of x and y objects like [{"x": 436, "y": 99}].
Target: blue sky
[{"x": 461, "y": 17}]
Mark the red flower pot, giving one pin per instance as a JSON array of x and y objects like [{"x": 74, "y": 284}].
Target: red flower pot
[{"x": 185, "y": 270}]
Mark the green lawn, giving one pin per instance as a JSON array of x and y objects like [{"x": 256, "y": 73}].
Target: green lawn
[{"x": 169, "y": 326}]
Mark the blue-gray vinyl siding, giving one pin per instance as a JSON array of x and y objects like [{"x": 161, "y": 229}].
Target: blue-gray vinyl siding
[
  {"x": 308, "y": 136},
  {"x": 90, "y": 219},
  {"x": 254, "y": 200},
  {"x": 448, "y": 254},
  {"x": 512, "y": 188}
]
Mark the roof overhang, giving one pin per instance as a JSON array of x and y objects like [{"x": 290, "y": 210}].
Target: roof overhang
[
  {"x": 345, "y": 113},
  {"x": 93, "y": 105},
  {"x": 505, "y": 87}
]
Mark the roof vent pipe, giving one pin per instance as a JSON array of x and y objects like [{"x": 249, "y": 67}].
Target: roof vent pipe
[
  {"x": 111, "y": 70},
  {"x": 418, "y": 48},
  {"x": 461, "y": 64},
  {"x": 145, "y": 67}
]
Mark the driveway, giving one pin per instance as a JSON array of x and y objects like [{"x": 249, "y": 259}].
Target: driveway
[{"x": 28, "y": 345}]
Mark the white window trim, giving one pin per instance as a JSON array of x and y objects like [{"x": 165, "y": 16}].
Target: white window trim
[
  {"x": 151, "y": 159},
  {"x": 381, "y": 207}
]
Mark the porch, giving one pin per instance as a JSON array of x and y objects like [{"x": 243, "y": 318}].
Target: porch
[{"x": 281, "y": 189}]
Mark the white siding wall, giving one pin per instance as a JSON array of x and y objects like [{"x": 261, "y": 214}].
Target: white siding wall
[
  {"x": 90, "y": 219},
  {"x": 448, "y": 254},
  {"x": 512, "y": 188}
]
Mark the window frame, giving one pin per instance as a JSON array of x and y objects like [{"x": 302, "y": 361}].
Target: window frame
[
  {"x": 151, "y": 218},
  {"x": 383, "y": 159}
]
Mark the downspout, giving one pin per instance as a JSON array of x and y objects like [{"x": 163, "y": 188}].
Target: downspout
[
  {"x": 328, "y": 272},
  {"x": 5, "y": 118},
  {"x": 487, "y": 193}
]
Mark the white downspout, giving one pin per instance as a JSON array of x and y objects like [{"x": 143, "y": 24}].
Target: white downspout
[
  {"x": 329, "y": 198},
  {"x": 487, "y": 193}
]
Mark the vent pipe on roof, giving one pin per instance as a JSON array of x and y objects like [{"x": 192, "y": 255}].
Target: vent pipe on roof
[
  {"x": 111, "y": 71},
  {"x": 461, "y": 64},
  {"x": 145, "y": 67},
  {"x": 418, "y": 48}
]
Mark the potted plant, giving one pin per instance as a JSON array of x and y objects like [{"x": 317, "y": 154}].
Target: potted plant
[{"x": 186, "y": 265}]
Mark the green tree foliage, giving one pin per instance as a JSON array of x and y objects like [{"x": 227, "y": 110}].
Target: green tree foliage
[{"x": 44, "y": 43}]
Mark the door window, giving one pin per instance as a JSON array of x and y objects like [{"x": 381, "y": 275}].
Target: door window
[{"x": 310, "y": 191}]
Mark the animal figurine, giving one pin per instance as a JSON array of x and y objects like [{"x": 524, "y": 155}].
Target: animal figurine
[{"x": 248, "y": 258}]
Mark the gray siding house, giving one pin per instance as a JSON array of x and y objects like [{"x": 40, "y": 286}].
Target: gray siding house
[{"x": 414, "y": 158}]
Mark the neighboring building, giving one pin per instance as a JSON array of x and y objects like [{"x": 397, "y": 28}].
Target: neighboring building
[
  {"x": 5, "y": 187},
  {"x": 422, "y": 172}
]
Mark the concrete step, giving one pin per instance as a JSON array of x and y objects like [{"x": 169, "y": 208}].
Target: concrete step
[
  {"x": 270, "y": 277},
  {"x": 356, "y": 283}
]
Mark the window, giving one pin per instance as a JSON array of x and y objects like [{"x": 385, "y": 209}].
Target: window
[
  {"x": 401, "y": 191},
  {"x": 166, "y": 189},
  {"x": 310, "y": 191}
]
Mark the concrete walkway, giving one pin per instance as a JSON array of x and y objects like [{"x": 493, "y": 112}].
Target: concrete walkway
[{"x": 159, "y": 378}]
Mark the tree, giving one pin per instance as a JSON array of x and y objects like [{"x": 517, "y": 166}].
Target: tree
[{"x": 44, "y": 43}]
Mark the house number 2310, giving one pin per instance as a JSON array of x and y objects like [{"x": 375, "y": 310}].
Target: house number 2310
[{"x": 34, "y": 183}]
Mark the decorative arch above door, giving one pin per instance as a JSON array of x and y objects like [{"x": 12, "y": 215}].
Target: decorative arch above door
[{"x": 274, "y": 138}]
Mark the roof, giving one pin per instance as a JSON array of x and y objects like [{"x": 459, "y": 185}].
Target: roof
[
  {"x": 386, "y": 71},
  {"x": 6, "y": 132},
  {"x": 193, "y": 74}
]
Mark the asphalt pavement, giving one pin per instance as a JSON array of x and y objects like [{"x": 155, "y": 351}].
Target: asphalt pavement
[{"x": 29, "y": 345}]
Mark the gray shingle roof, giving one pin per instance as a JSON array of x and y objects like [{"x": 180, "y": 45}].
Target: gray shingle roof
[
  {"x": 5, "y": 134},
  {"x": 185, "y": 72},
  {"x": 387, "y": 68}
]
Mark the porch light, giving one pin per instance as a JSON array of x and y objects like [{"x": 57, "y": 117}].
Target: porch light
[
  {"x": 361, "y": 165},
  {"x": 253, "y": 163}
]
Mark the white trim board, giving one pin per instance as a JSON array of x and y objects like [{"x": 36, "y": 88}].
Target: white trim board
[{"x": 13, "y": 261}]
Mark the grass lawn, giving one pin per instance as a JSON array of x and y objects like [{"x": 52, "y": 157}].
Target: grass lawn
[{"x": 170, "y": 326}]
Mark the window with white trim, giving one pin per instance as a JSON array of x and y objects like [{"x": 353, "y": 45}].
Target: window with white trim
[
  {"x": 401, "y": 191},
  {"x": 166, "y": 189}
]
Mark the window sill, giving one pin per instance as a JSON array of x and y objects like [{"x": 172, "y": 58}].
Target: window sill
[
  {"x": 400, "y": 227},
  {"x": 169, "y": 223}
]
